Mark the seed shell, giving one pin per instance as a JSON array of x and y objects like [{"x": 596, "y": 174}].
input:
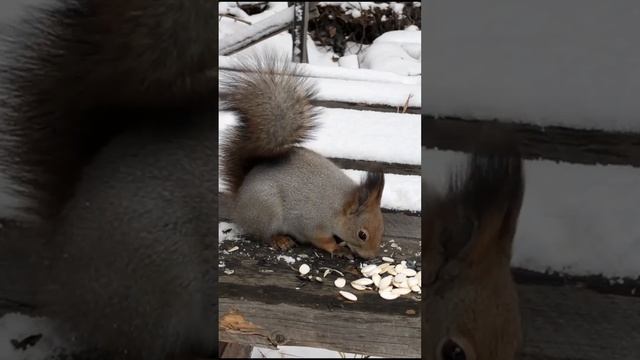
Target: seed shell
[
  {"x": 304, "y": 269},
  {"x": 349, "y": 296}
]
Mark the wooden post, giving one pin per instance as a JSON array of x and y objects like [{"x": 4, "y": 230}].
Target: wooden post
[{"x": 299, "y": 32}]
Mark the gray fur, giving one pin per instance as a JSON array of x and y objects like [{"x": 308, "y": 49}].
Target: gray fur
[
  {"x": 286, "y": 190},
  {"x": 134, "y": 251},
  {"x": 273, "y": 103},
  {"x": 110, "y": 140}
]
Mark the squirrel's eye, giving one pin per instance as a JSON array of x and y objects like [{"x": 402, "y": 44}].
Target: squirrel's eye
[
  {"x": 450, "y": 350},
  {"x": 362, "y": 234}
]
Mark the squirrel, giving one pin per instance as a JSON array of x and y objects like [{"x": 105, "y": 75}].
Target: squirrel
[
  {"x": 110, "y": 135},
  {"x": 468, "y": 234},
  {"x": 281, "y": 192}
]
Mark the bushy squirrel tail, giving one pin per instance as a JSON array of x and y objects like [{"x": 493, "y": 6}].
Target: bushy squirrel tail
[
  {"x": 79, "y": 72},
  {"x": 273, "y": 103}
]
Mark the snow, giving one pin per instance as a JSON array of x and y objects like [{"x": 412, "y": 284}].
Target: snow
[
  {"x": 357, "y": 85},
  {"x": 571, "y": 63},
  {"x": 391, "y": 57},
  {"x": 397, "y": 7},
  {"x": 324, "y": 72},
  {"x": 575, "y": 219},
  {"x": 368, "y": 135},
  {"x": 232, "y": 8},
  {"x": 17, "y": 327},
  {"x": 228, "y": 232},
  {"x": 301, "y": 351},
  {"x": 286, "y": 258},
  {"x": 341, "y": 133},
  {"x": 235, "y": 40},
  {"x": 349, "y": 61},
  {"x": 397, "y": 52},
  {"x": 409, "y": 40}
]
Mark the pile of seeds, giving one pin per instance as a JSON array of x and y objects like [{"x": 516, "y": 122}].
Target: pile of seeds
[{"x": 401, "y": 280}]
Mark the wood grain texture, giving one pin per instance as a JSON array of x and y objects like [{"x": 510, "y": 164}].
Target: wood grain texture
[
  {"x": 389, "y": 168},
  {"x": 234, "y": 351},
  {"x": 293, "y": 312},
  {"x": 557, "y": 143},
  {"x": 367, "y": 107},
  {"x": 563, "y": 323}
]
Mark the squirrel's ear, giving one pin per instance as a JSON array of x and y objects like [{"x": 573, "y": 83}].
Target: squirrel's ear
[
  {"x": 493, "y": 193},
  {"x": 368, "y": 194}
]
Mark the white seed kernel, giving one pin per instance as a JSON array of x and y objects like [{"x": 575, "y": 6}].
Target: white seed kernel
[
  {"x": 388, "y": 294},
  {"x": 363, "y": 281},
  {"x": 304, "y": 269},
  {"x": 349, "y": 296}
]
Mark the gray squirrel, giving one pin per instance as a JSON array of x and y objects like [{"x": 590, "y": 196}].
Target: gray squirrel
[
  {"x": 281, "y": 192},
  {"x": 109, "y": 127}
]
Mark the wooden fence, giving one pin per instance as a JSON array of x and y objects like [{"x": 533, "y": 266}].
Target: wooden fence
[{"x": 564, "y": 317}]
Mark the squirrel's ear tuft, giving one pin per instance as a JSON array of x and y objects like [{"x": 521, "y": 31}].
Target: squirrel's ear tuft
[{"x": 368, "y": 194}]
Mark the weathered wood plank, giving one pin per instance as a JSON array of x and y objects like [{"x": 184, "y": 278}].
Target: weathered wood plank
[
  {"x": 560, "y": 322},
  {"x": 234, "y": 351},
  {"x": 253, "y": 35},
  {"x": 568, "y": 323},
  {"x": 388, "y": 168},
  {"x": 360, "y": 106},
  {"x": 343, "y": 104},
  {"x": 368, "y": 107},
  {"x": 537, "y": 142},
  {"x": 293, "y": 312},
  {"x": 598, "y": 283}
]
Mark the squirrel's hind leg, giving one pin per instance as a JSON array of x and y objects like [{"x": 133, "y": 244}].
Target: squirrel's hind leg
[{"x": 282, "y": 242}]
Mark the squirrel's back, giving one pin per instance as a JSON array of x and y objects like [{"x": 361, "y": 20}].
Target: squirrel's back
[{"x": 305, "y": 187}]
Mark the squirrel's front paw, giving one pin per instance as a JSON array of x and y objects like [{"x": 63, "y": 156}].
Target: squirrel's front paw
[
  {"x": 342, "y": 251},
  {"x": 282, "y": 242}
]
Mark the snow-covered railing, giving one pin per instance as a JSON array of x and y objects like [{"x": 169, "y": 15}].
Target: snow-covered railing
[
  {"x": 562, "y": 77},
  {"x": 295, "y": 17},
  {"x": 357, "y": 89}
]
